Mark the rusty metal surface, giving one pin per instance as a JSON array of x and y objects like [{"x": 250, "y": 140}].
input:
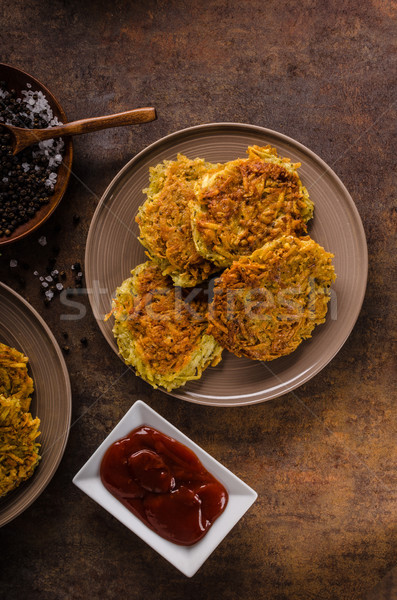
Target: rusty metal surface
[{"x": 322, "y": 459}]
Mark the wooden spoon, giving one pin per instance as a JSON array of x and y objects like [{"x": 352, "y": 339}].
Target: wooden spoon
[{"x": 22, "y": 137}]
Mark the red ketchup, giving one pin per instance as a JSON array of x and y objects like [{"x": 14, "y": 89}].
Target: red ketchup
[{"x": 164, "y": 484}]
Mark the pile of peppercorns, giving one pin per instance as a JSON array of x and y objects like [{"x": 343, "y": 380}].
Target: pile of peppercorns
[{"x": 27, "y": 180}]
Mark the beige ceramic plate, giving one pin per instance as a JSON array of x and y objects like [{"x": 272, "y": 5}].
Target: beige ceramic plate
[
  {"x": 22, "y": 327},
  {"x": 113, "y": 250}
]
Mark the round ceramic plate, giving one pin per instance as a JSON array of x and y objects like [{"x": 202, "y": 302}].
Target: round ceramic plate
[
  {"x": 113, "y": 250},
  {"x": 22, "y": 328}
]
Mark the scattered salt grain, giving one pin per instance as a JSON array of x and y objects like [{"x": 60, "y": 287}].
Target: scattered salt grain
[
  {"x": 59, "y": 287},
  {"x": 35, "y": 273},
  {"x": 49, "y": 183},
  {"x": 49, "y": 294},
  {"x": 13, "y": 263},
  {"x": 49, "y": 278},
  {"x": 42, "y": 240}
]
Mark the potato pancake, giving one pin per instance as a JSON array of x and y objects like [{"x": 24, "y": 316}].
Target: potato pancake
[
  {"x": 15, "y": 381},
  {"x": 165, "y": 224},
  {"x": 19, "y": 451},
  {"x": 246, "y": 203},
  {"x": 159, "y": 333},
  {"x": 266, "y": 304}
]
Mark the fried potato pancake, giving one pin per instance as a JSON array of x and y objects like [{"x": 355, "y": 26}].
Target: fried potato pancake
[
  {"x": 159, "y": 333},
  {"x": 15, "y": 381},
  {"x": 164, "y": 220},
  {"x": 246, "y": 203},
  {"x": 266, "y": 304},
  {"x": 19, "y": 451}
]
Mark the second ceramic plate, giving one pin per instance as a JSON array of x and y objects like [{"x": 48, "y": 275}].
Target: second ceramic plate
[
  {"x": 21, "y": 327},
  {"x": 113, "y": 250}
]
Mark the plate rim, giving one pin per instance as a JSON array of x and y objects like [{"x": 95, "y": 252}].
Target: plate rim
[
  {"x": 68, "y": 395},
  {"x": 226, "y": 125}
]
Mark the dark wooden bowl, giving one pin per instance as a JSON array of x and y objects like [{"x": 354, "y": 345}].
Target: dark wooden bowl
[{"x": 17, "y": 80}]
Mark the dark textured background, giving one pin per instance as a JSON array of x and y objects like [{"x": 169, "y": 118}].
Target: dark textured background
[{"x": 323, "y": 459}]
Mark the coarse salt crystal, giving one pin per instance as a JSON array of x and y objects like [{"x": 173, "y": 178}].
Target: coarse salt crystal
[
  {"x": 35, "y": 273},
  {"x": 13, "y": 263},
  {"x": 49, "y": 294},
  {"x": 42, "y": 240},
  {"x": 59, "y": 286},
  {"x": 49, "y": 278}
]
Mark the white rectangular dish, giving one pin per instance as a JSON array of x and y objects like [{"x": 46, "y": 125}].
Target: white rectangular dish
[{"x": 188, "y": 559}]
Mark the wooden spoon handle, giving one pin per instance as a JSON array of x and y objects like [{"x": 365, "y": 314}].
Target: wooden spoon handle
[
  {"x": 129, "y": 117},
  {"x": 25, "y": 137}
]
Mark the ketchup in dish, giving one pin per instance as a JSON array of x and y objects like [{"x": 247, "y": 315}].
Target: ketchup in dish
[{"x": 164, "y": 484}]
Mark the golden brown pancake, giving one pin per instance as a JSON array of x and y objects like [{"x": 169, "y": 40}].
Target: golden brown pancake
[
  {"x": 246, "y": 203},
  {"x": 159, "y": 333},
  {"x": 165, "y": 224},
  {"x": 266, "y": 304}
]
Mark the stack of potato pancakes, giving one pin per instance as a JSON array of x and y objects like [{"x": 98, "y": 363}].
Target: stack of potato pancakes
[{"x": 244, "y": 220}]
